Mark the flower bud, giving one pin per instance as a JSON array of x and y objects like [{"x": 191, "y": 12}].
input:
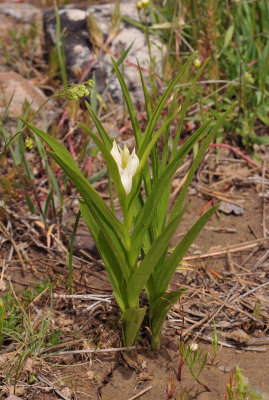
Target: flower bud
[
  {"x": 194, "y": 346},
  {"x": 197, "y": 62},
  {"x": 139, "y": 5},
  {"x": 127, "y": 164}
]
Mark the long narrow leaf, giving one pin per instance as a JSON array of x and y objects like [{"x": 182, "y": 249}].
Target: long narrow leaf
[
  {"x": 166, "y": 271},
  {"x": 92, "y": 199},
  {"x": 152, "y": 202},
  {"x": 112, "y": 165},
  {"x": 184, "y": 109},
  {"x": 151, "y": 144},
  {"x": 102, "y": 132},
  {"x": 197, "y": 161},
  {"x": 122, "y": 57},
  {"x": 158, "y": 313},
  {"x": 113, "y": 270},
  {"x": 146, "y": 93},
  {"x": 130, "y": 107},
  {"x": 139, "y": 277},
  {"x": 155, "y": 116},
  {"x": 57, "y": 147},
  {"x": 64, "y": 159}
]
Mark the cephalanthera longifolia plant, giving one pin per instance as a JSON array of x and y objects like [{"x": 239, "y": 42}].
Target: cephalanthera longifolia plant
[{"x": 135, "y": 252}]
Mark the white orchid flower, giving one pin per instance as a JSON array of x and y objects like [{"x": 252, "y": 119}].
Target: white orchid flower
[{"x": 127, "y": 164}]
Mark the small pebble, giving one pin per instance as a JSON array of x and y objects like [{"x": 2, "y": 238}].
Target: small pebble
[{"x": 225, "y": 368}]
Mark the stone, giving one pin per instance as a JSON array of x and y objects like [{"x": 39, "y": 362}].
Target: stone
[
  {"x": 23, "y": 89},
  {"x": 80, "y": 51},
  {"x": 228, "y": 208}
]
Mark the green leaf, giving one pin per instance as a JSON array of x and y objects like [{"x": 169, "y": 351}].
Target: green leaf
[
  {"x": 158, "y": 312},
  {"x": 92, "y": 199},
  {"x": 140, "y": 276},
  {"x": 166, "y": 271},
  {"x": 102, "y": 132},
  {"x": 262, "y": 140},
  {"x": 145, "y": 217},
  {"x": 110, "y": 257},
  {"x": 146, "y": 93},
  {"x": 135, "y": 23},
  {"x": 71, "y": 250},
  {"x": 113, "y": 168},
  {"x": 146, "y": 172},
  {"x": 131, "y": 322},
  {"x": 228, "y": 36},
  {"x": 57, "y": 147},
  {"x": 122, "y": 57},
  {"x": 144, "y": 156},
  {"x": 130, "y": 107},
  {"x": 47, "y": 202},
  {"x": 90, "y": 195},
  {"x": 198, "y": 159},
  {"x": 184, "y": 109},
  {"x": 155, "y": 116}
]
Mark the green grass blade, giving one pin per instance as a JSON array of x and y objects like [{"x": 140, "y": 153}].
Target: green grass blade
[{"x": 59, "y": 47}]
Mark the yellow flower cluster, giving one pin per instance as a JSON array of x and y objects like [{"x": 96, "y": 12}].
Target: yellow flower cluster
[
  {"x": 29, "y": 143},
  {"x": 76, "y": 91}
]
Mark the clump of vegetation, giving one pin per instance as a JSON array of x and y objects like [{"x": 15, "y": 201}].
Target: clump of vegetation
[{"x": 218, "y": 59}]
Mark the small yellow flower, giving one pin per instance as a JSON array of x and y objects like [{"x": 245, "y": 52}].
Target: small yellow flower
[
  {"x": 197, "y": 62},
  {"x": 127, "y": 165},
  {"x": 145, "y": 3},
  {"x": 139, "y": 5},
  {"x": 248, "y": 77},
  {"x": 29, "y": 143}
]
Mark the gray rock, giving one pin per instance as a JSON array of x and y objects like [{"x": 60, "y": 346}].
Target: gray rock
[
  {"x": 22, "y": 90},
  {"x": 79, "y": 49}
]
